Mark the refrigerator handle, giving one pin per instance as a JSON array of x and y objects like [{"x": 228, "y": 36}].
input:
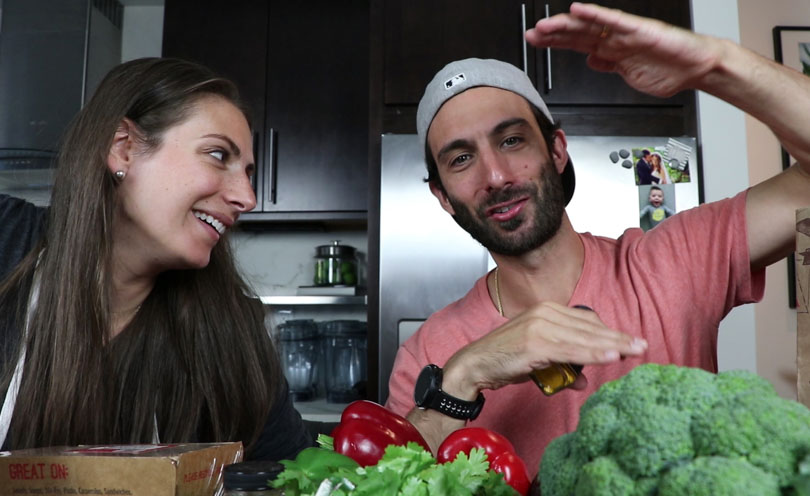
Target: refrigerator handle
[
  {"x": 548, "y": 60},
  {"x": 523, "y": 36},
  {"x": 270, "y": 169},
  {"x": 258, "y": 174}
]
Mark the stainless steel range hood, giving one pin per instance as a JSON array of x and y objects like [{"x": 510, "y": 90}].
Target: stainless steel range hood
[{"x": 53, "y": 53}]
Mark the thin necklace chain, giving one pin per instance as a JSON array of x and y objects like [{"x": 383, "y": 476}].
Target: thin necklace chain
[
  {"x": 498, "y": 293},
  {"x": 128, "y": 310}
]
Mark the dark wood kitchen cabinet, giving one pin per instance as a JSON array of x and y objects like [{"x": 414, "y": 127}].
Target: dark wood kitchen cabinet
[
  {"x": 303, "y": 70},
  {"x": 419, "y": 37},
  {"x": 564, "y": 78},
  {"x": 590, "y": 102}
]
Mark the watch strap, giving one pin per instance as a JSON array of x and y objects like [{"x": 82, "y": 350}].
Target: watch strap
[
  {"x": 455, "y": 407},
  {"x": 432, "y": 396}
]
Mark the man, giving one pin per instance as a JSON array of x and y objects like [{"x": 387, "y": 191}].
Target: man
[
  {"x": 644, "y": 170},
  {"x": 500, "y": 167}
]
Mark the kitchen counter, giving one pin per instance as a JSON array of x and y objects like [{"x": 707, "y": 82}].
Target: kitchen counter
[{"x": 320, "y": 410}]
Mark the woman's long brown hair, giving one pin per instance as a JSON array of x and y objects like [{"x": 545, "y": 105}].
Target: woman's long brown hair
[{"x": 196, "y": 357}]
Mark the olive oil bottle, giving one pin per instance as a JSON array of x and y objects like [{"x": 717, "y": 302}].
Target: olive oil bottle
[{"x": 555, "y": 377}]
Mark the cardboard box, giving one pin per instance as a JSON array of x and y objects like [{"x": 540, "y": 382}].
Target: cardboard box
[
  {"x": 803, "y": 304},
  {"x": 129, "y": 470}
]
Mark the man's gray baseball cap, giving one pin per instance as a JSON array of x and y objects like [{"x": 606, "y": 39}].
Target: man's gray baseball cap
[{"x": 461, "y": 75}]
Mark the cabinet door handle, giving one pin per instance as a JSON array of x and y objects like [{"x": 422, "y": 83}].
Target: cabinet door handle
[
  {"x": 270, "y": 168},
  {"x": 548, "y": 59},
  {"x": 523, "y": 36},
  {"x": 258, "y": 175}
]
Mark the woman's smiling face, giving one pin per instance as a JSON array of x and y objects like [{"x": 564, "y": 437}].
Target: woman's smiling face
[{"x": 178, "y": 200}]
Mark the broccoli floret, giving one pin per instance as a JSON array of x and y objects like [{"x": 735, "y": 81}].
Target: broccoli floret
[
  {"x": 683, "y": 430},
  {"x": 698, "y": 398},
  {"x": 596, "y": 429},
  {"x": 768, "y": 431},
  {"x": 801, "y": 482},
  {"x": 647, "y": 486},
  {"x": 650, "y": 439},
  {"x": 741, "y": 381},
  {"x": 718, "y": 476},
  {"x": 603, "y": 477},
  {"x": 559, "y": 474},
  {"x": 730, "y": 429},
  {"x": 641, "y": 386}
]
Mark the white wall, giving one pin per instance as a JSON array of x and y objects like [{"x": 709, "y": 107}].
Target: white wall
[
  {"x": 775, "y": 321},
  {"x": 739, "y": 151},
  {"x": 142, "y": 32},
  {"x": 725, "y": 173}
]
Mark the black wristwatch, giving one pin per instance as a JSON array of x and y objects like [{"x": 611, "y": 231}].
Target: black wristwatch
[{"x": 428, "y": 394}]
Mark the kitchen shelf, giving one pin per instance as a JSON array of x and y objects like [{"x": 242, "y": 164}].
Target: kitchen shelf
[{"x": 316, "y": 300}]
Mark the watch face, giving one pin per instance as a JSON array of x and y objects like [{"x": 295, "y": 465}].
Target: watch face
[{"x": 425, "y": 386}]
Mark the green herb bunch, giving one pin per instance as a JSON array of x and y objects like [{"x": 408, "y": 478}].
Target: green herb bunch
[{"x": 402, "y": 471}]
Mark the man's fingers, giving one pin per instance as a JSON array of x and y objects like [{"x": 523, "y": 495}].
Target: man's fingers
[
  {"x": 580, "y": 333},
  {"x": 557, "y": 322},
  {"x": 599, "y": 64},
  {"x": 617, "y": 21},
  {"x": 580, "y": 383}
]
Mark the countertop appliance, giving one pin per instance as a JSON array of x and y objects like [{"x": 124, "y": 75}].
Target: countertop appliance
[
  {"x": 53, "y": 54},
  {"x": 426, "y": 261}
]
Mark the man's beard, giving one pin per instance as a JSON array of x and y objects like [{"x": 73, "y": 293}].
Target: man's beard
[{"x": 548, "y": 211}]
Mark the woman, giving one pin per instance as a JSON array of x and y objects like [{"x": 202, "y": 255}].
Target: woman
[
  {"x": 659, "y": 172},
  {"x": 128, "y": 322}
]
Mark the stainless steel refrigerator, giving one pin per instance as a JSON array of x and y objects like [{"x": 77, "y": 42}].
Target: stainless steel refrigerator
[{"x": 426, "y": 261}]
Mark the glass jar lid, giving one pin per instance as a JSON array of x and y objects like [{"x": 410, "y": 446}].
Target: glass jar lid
[
  {"x": 344, "y": 328},
  {"x": 335, "y": 250},
  {"x": 251, "y": 475},
  {"x": 296, "y": 329}
]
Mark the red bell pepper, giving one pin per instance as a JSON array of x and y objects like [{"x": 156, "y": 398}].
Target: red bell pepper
[
  {"x": 500, "y": 452},
  {"x": 366, "y": 429}
]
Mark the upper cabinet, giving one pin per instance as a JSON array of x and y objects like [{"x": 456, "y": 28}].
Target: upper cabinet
[
  {"x": 587, "y": 102},
  {"x": 317, "y": 107},
  {"x": 422, "y": 36},
  {"x": 303, "y": 69},
  {"x": 419, "y": 37},
  {"x": 563, "y": 76}
]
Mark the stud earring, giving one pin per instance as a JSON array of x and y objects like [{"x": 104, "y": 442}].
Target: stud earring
[{"x": 120, "y": 175}]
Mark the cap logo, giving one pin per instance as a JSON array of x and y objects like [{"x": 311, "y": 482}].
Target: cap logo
[{"x": 453, "y": 81}]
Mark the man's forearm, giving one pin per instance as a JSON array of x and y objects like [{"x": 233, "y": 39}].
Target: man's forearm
[
  {"x": 772, "y": 93},
  {"x": 434, "y": 426}
]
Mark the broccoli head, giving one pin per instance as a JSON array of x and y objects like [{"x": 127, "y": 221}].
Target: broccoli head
[{"x": 670, "y": 430}]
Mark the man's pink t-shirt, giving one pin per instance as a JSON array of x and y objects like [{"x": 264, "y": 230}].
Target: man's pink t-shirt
[{"x": 672, "y": 286}]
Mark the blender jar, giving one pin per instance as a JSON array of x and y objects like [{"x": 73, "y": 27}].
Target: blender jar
[
  {"x": 300, "y": 353},
  {"x": 345, "y": 347}
]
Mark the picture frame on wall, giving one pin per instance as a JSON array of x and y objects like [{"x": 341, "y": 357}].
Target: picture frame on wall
[{"x": 791, "y": 45}]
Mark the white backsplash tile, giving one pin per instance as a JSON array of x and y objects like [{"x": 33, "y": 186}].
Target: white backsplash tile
[{"x": 277, "y": 263}]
